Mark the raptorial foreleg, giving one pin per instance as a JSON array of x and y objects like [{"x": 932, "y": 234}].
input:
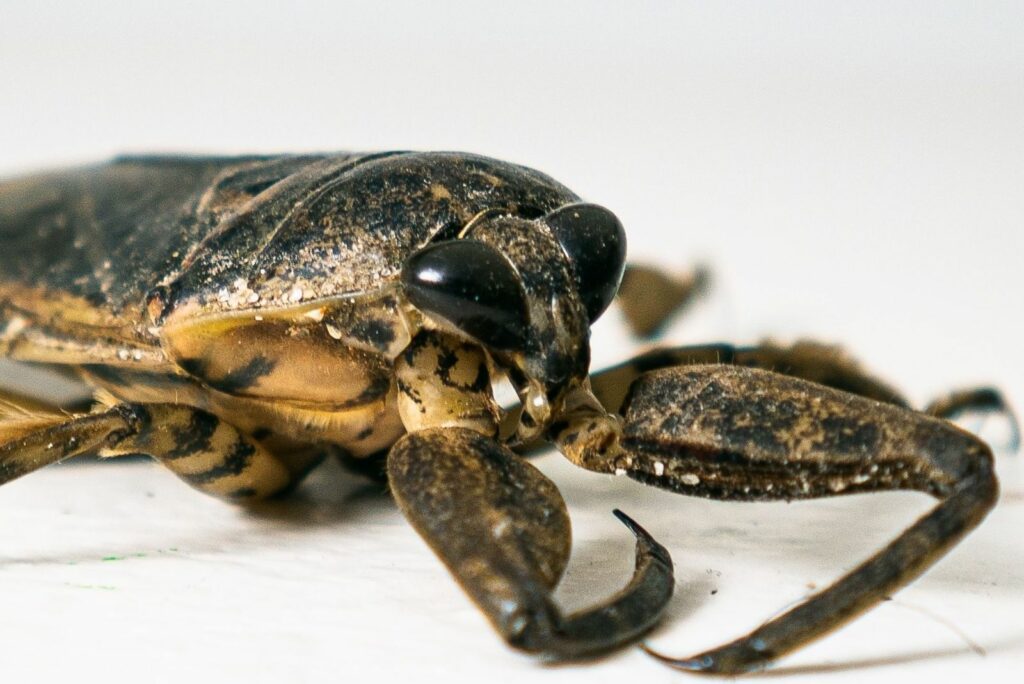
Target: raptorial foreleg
[
  {"x": 727, "y": 432},
  {"x": 824, "y": 364},
  {"x": 502, "y": 529}
]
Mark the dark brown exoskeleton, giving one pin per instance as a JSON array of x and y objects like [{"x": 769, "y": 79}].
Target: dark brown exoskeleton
[{"x": 239, "y": 318}]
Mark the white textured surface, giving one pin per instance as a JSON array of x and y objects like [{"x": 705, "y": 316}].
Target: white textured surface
[
  {"x": 119, "y": 572},
  {"x": 853, "y": 173}
]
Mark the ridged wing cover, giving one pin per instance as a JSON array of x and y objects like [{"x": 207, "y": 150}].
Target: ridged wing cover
[
  {"x": 343, "y": 229},
  {"x": 109, "y": 233},
  {"x": 208, "y": 236}
]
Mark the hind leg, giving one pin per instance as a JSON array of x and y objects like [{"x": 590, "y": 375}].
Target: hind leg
[{"x": 198, "y": 447}]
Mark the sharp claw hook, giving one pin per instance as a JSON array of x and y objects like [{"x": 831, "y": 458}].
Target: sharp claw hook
[{"x": 696, "y": 664}]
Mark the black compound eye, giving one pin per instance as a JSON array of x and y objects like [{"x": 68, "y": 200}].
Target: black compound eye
[
  {"x": 472, "y": 286},
  {"x": 595, "y": 243}
]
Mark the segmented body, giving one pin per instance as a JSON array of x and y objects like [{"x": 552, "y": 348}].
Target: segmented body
[
  {"x": 242, "y": 317},
  {"x": 219, "y": 281}
]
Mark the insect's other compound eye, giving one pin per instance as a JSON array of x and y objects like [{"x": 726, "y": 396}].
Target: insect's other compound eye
[
  {"x": 595, "y": 243},
  {"x": 472, "y": 286}
]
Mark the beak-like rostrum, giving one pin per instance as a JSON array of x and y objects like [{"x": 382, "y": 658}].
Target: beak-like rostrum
[{"x": 555, "y": 351}]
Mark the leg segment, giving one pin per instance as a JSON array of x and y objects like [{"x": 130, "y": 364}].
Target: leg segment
[
  {"x": 725, "y": 432},
  {"x": 502, "y": 529},
  {"x": 650, "y": 298},
  {"x": 30, "y": 442},
  {"x": 205, "y": 452},
  {"x": 824, "y": 364}
]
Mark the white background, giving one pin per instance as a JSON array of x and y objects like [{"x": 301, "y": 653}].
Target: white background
[{"x": 853, "y": 172}]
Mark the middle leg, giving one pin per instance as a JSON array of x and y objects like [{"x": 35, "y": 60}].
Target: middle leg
[
  {"x": 650, "y": 298},
  {"x": 197, "y": 446}
]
